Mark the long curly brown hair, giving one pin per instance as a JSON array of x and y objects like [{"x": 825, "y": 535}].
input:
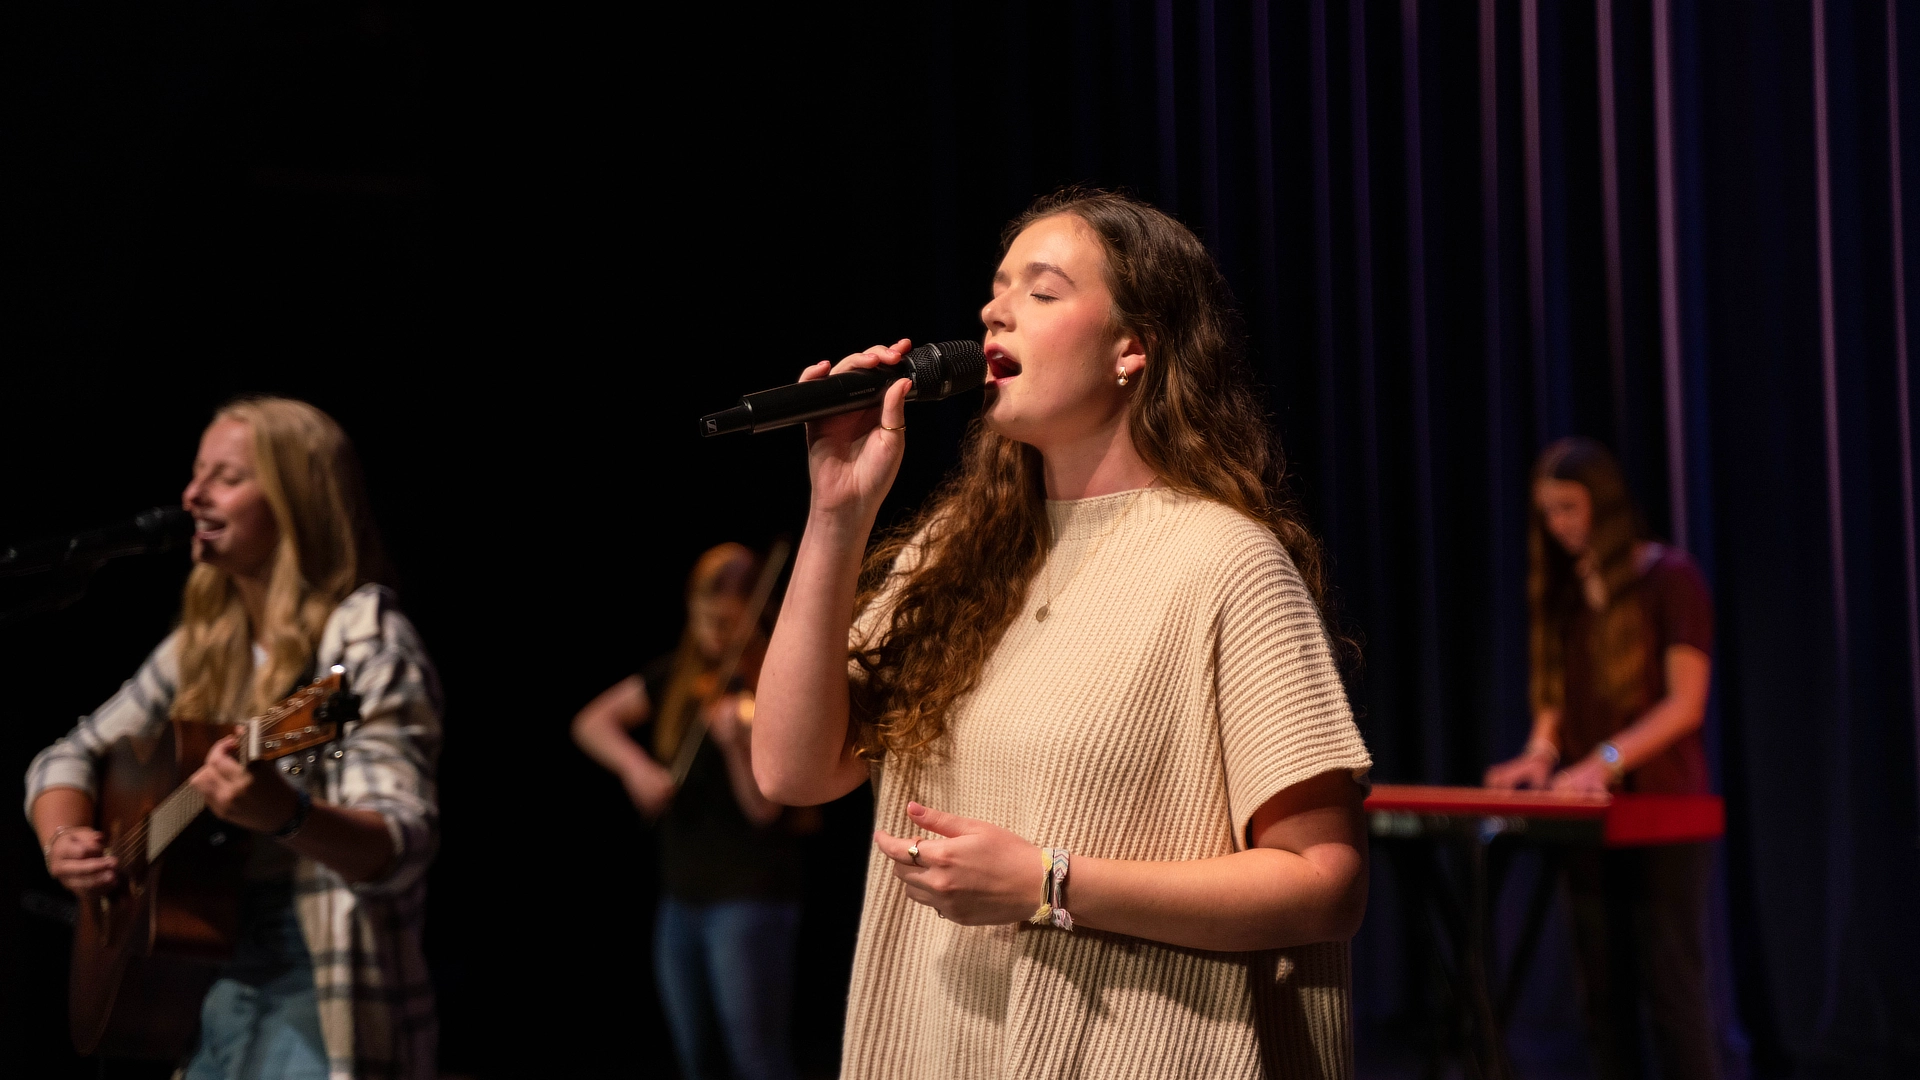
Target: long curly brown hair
[
  {"x": 1554, "y": 592},
  {"x": 1196, "y": 418}
]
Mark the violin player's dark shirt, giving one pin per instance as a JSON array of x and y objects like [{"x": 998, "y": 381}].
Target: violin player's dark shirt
[
  {"x": 1678, "y": 610},
  {"x": 709, "y": 851}
]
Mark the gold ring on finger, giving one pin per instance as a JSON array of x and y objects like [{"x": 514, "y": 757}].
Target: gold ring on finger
[{"x": 914, "y": 853}]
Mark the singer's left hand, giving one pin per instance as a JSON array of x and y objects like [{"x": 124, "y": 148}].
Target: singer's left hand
[
  {"x": 250, "y": 796},
  {"x": 972, "y": 872}
]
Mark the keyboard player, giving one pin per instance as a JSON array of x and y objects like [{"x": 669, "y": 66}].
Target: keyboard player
[{"x": 1622, "y": 646}]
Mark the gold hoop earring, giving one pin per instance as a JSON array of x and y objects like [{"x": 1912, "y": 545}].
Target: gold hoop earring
[{"x": 1123, "y": 375}]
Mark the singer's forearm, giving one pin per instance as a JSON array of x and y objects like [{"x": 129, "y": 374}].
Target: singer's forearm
[
  {"x": 800, "y": 727},
  {"x": 759, "y": 810}
]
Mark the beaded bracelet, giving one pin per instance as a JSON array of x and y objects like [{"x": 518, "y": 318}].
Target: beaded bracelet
[{"x": 1053, "y": 890}]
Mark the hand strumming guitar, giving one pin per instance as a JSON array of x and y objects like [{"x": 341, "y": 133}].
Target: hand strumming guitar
[{"x": 77, "y": 858}]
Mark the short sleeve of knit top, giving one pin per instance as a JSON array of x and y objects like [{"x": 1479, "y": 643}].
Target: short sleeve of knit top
[{"x": 1283, "y": 712}]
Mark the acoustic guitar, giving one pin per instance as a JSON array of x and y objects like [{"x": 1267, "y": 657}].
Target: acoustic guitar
[{"x": 145, "y": 952}]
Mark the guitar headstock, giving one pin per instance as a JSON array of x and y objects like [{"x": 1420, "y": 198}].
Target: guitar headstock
[{"x": 299, "y": 721}]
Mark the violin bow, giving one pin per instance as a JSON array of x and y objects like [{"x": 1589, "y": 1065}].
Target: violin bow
[{"x": 696, "y": 732}]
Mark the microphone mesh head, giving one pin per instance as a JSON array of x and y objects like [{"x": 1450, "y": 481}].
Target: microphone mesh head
[{"x": 964, "y": 363}]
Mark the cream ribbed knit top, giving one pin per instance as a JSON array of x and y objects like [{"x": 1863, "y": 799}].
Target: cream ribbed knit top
[{"x": 1181, "y": 678}]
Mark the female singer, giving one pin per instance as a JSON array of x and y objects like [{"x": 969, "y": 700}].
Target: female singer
[
  {"x": 1622, "y": 655},
  {"x": 726, "y": 930},
  {"x": 1119, "y": 829},
  {"x": 327, "y": 981}
]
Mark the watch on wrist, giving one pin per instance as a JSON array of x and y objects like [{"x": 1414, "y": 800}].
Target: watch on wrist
[
  {"x": 1610, "y": 757},
  {"x": 303, "y": 805}
]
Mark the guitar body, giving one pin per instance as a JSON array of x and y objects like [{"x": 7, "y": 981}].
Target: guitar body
[{"x": 145, "y": 953}]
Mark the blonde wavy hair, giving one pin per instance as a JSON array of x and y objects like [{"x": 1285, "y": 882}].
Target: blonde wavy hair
[{"x": 307, "y": 469}]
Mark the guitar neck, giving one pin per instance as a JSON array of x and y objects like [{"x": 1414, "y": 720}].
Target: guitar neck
[
  {"x": 165, "y": 822},
  {"x": 171, "y": 818},
  {"x": 303, "y": 719}
]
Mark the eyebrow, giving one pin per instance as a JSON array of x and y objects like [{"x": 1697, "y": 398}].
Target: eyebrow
[{"x": 1034, "y": 268}]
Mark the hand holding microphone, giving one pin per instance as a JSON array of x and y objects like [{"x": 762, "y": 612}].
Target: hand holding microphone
[
  {"x": 853, "y": 456},
  {"x": 936, "y": 371},
  {"x": 856, "y": 412}
]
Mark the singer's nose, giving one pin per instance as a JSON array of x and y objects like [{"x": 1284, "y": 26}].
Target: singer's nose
[{"x": 992, "y": 316}]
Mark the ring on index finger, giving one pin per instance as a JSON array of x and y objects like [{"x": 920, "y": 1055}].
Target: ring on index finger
[{"x": 914, "y": 853}]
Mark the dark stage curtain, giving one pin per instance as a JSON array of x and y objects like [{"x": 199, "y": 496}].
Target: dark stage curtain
[{"x": 1460, "y": 231}]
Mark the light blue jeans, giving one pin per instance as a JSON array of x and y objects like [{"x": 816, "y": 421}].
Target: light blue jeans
[
  {"x": 259, "y": 1021},
  {"x": 726, "y": 976}
]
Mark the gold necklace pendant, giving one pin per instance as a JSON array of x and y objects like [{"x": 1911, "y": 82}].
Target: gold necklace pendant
[{"x": 1046, "y": 606}]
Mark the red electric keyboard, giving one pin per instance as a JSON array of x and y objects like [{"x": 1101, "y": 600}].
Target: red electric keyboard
[
  {"x": 1451, "y": 848},
  {"x": 1625, "y": 820}
]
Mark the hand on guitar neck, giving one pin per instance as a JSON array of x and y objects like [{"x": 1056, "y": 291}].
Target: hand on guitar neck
[
  {"x": 237, "y": 784},
  {"x": 250, "y": 796},
  {"x": 354, "y": 843}
]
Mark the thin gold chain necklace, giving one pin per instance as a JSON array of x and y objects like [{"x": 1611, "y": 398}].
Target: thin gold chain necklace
[{"x": 1046, "y": 606}]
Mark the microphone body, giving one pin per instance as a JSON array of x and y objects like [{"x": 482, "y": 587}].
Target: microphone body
[
  {"x": 162, "y": 528},
  {"x": 938, "y": 371}
]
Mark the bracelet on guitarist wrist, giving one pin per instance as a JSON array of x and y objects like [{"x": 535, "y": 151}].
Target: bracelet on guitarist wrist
[
  {"x": 303, "y": 805},
  {"x": 59, "y": 831}
]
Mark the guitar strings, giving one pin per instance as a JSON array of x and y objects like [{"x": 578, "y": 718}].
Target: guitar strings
[{"x": 135, "y": 839}]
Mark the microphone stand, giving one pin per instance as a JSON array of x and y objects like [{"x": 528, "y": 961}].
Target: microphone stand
[{"x": 43, "y": 576}]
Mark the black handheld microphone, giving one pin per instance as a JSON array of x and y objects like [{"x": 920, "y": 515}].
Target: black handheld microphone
[
  {"x": 162, "y": 528},
  {"x": 940, "y": 370}
]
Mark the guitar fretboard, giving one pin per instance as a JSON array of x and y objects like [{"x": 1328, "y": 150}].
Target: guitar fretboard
[{"x": 172, "y": 817}]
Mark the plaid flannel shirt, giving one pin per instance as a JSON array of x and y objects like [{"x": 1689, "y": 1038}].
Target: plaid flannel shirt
[{"x": 375, "y": 997}]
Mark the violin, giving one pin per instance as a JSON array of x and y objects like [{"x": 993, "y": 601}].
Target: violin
[{"x": 711, "y": 686}]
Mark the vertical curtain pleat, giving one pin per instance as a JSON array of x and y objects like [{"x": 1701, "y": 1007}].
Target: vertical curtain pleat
[{"x": 1903, "y": 388}]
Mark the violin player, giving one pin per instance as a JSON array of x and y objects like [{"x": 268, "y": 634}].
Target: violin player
[{"x": 729, "y": 916}]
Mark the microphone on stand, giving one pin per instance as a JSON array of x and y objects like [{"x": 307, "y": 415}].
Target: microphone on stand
[
  {"x": 938, "y": 371},
  {"x": 162, "y": 528}
]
